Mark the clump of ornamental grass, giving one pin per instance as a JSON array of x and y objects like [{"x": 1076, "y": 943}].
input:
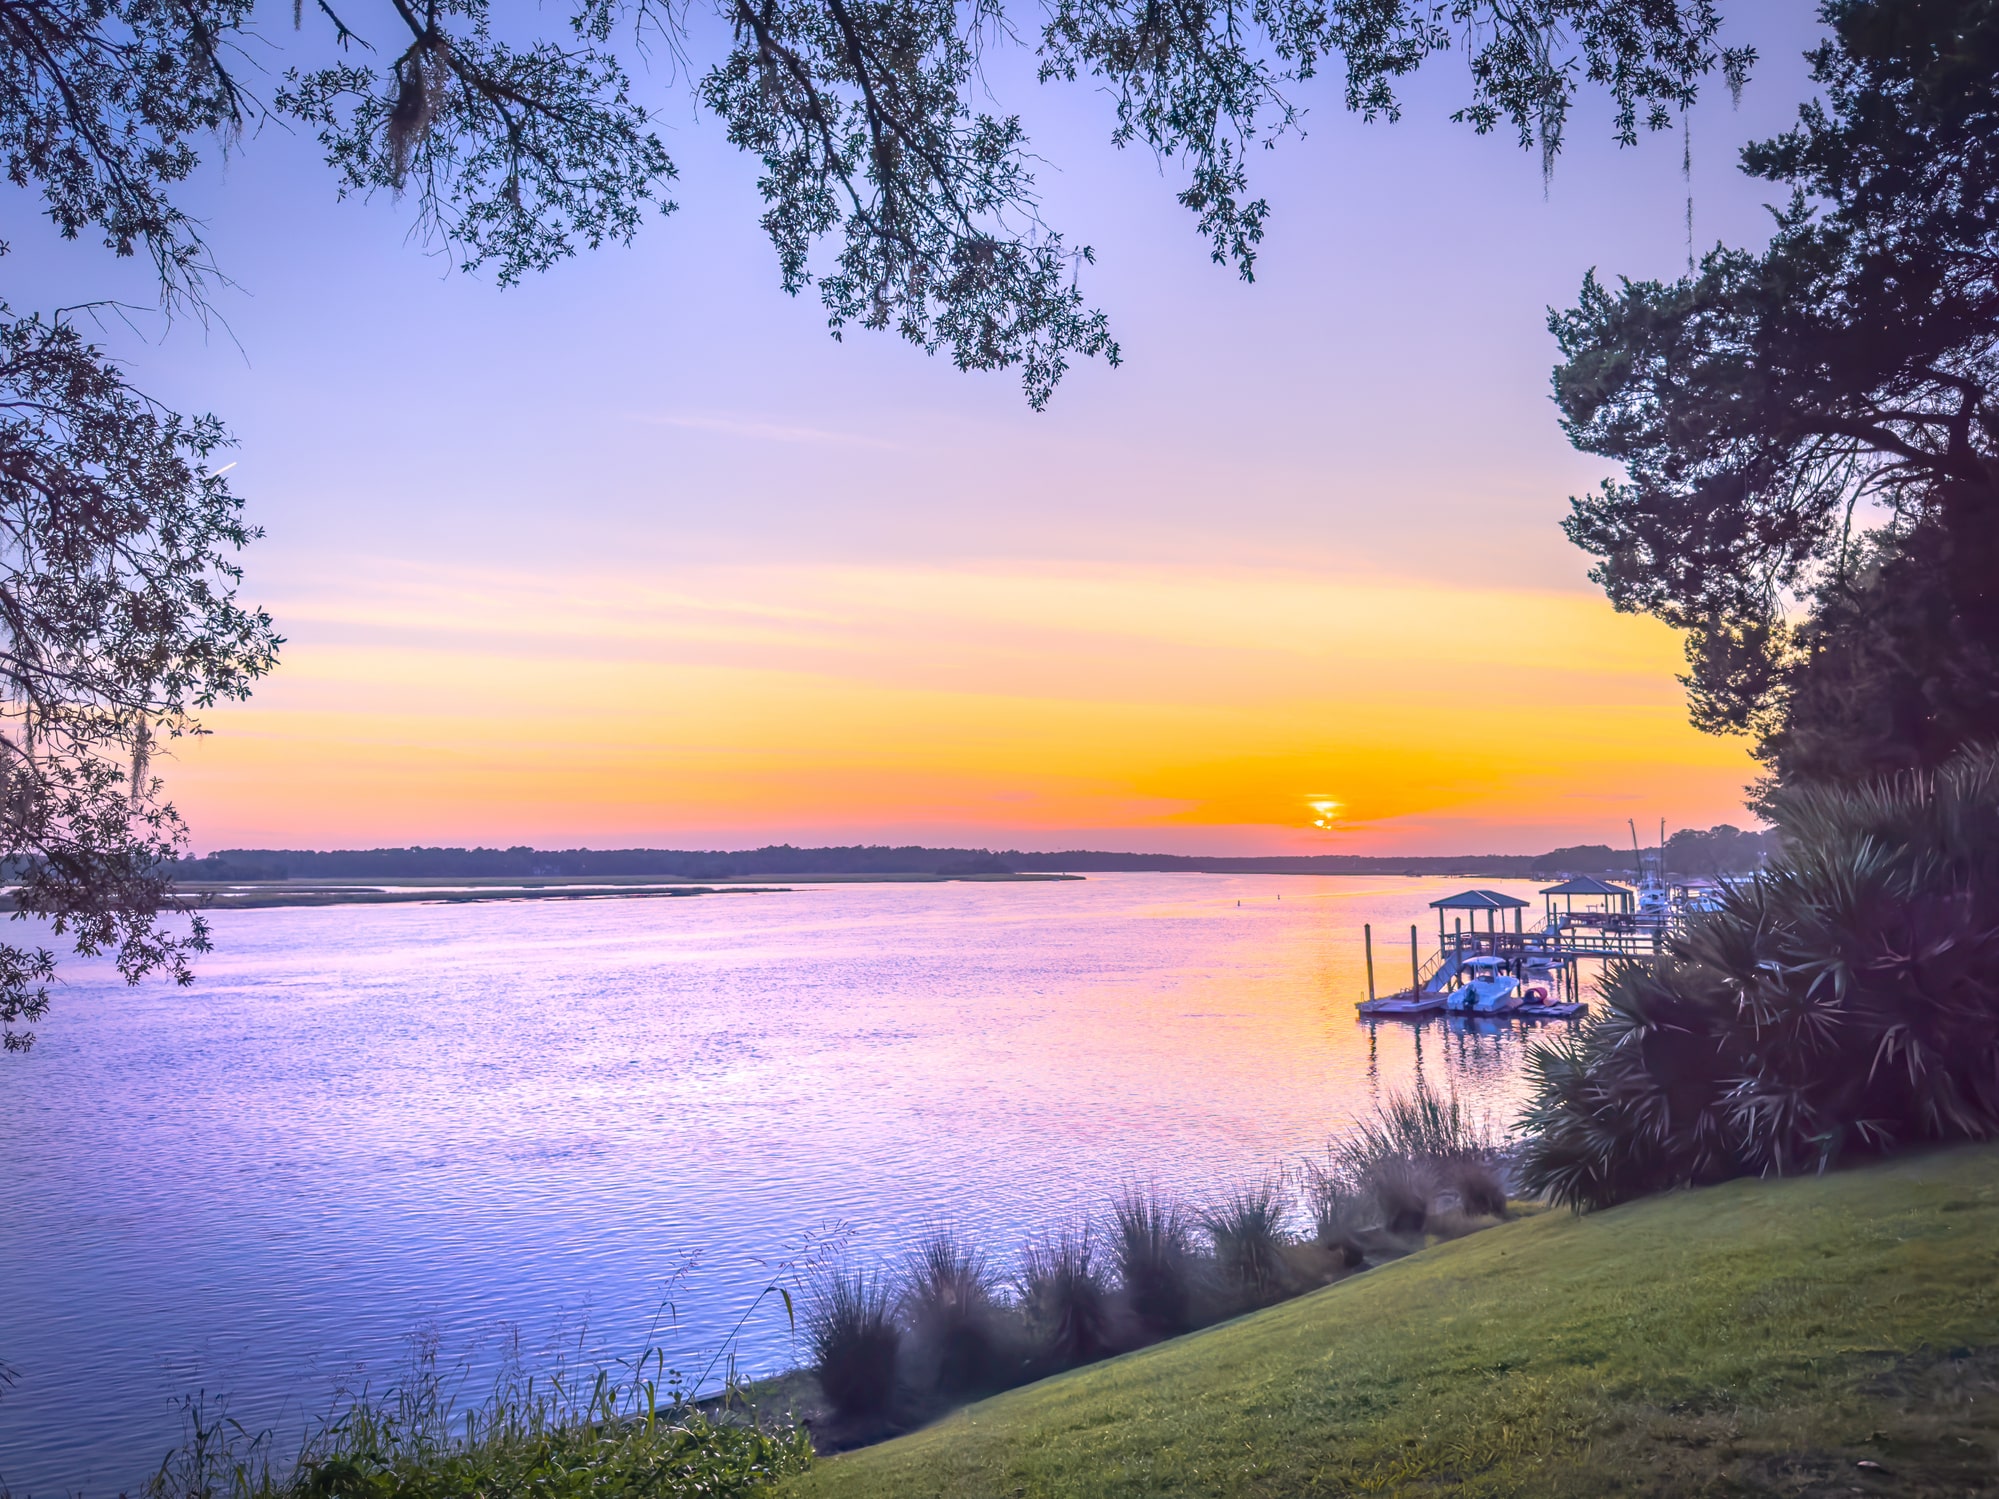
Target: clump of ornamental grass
[
  {"x": 1404, "y": 1189},
  {"x": 1063, "y": 1296},
  {"x": 851, "y": 1329},
  {"x": 1419, "y": 1126},
  {"x": 948, "y": 1301},
  {"x": 1341, "y": 1210},
  {"x": 1478, "y": 1185},
  {"x": 1151, "y": 1242},
  {"x": 1417, "y": 1147},
  {"x": 1246, "y": 1230}
]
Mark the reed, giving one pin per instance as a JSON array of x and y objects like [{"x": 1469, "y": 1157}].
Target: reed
[
  {"x": 1477, "y": 1184},
  {"x": 1418, "y": 1125},
  {"x": 904, "y": 1346},
  {"x": 1341, "y": 1209},
  {"x": 1404, "y": 1189},
  {"x": 947, "y": 1298}
]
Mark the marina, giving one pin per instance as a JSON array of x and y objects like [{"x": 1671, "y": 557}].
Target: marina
[{"x": 1489, "y": 961}]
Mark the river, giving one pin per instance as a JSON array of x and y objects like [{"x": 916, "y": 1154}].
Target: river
[{"x": 591, "y": 1121}]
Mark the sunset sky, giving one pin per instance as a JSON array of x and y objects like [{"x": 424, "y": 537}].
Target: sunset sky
[{"x": 637, "y": 554}]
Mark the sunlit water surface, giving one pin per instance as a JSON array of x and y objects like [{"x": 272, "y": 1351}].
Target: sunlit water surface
[{"x": 367, "y": 1121}]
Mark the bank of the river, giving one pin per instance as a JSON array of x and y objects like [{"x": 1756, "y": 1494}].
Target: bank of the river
[
  {"x": 259, "y": 895},
  {"x": 1822, "y": 1336}
]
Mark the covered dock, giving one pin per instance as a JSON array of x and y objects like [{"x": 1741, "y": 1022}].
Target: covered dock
[
  {"x": 1599, "y": 919},
  {"x": 1493, "y": 902},
  {"x": 1588, "y": 888}
]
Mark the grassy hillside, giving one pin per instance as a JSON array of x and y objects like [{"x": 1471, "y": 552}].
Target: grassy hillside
[{"x": 1824, "y": 1336}]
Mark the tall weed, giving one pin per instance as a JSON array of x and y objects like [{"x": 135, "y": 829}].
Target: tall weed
[{"x": 623, "y": 1430}]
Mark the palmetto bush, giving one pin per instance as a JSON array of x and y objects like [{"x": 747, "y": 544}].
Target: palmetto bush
[{"x": 1844, "y": 1002}]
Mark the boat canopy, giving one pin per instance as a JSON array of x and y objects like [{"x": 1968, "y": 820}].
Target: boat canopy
[
  {"x": 1586, "y": 885},
  {"x": 1492, "y": 902},
  {"x": 1477, "y": 900},
  {"x": 1588, "y": 888}
]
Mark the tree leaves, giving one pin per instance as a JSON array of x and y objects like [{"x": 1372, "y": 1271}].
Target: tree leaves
[
  {"x": 1789, "y": 420},
  {"x": 102, "y": 106},
  {"x": 515, "y": 155},
  {"x": 118, "y": 624},
  {"x": 885, "y": 180}
]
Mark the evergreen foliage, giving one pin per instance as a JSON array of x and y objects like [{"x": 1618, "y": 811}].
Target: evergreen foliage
[{"x": 1810, "y": 447}]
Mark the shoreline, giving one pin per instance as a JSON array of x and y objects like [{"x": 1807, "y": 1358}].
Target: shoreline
[{"x": 249, "y": 895}]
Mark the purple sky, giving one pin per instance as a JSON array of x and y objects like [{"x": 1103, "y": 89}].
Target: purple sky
[{"x": 659, "y": 424}]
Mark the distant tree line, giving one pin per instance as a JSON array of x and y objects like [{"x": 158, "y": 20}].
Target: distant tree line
[{"x": 1719, "y": 850}]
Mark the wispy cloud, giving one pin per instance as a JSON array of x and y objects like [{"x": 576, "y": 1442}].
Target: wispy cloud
[{"x": 752, "y": 430}]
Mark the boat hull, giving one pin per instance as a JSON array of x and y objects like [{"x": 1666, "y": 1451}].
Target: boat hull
[
  {"x": 1402, "y": 1004},
  {"x": 1567, "y": 1009}
]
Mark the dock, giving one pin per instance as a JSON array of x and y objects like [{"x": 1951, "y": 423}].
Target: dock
[{"x": 1584, "y": 918}]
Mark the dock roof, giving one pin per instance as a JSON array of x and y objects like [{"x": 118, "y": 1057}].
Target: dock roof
[
  {"x": 1586, "y": 885},
  {"x": 1477, "y": 900}
]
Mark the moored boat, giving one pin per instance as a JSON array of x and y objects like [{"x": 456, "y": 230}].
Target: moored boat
[
  {"x": 1408, "y": 1002},
  {"x": 1489, "y": 987}
]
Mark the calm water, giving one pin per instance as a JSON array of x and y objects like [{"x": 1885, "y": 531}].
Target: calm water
[{"x": 364, "y": 1121}]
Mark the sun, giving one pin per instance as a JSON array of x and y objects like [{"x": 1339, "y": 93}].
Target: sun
[{"x": 1325, "y": 811}]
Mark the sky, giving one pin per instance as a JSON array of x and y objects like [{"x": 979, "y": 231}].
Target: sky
[{"x": 636, "y": 554}]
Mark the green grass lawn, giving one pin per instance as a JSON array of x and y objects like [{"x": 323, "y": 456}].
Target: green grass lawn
[{"x": 1753, "y": 1338}]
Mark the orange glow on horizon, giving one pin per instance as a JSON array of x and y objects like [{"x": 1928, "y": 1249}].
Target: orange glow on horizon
[{"x": 1156, "y": 706}]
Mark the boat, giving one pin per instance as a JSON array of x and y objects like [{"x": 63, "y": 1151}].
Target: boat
[
  {"x": 1565, "y": 1009},
  {"x": 1408, "y": 1002},
  {"x": 1696, "y": 897},
  {"x": 1655, "y": 896},
  {"x": 1489, "y": 988},
  {"x": 1537, "y": 1002}
]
